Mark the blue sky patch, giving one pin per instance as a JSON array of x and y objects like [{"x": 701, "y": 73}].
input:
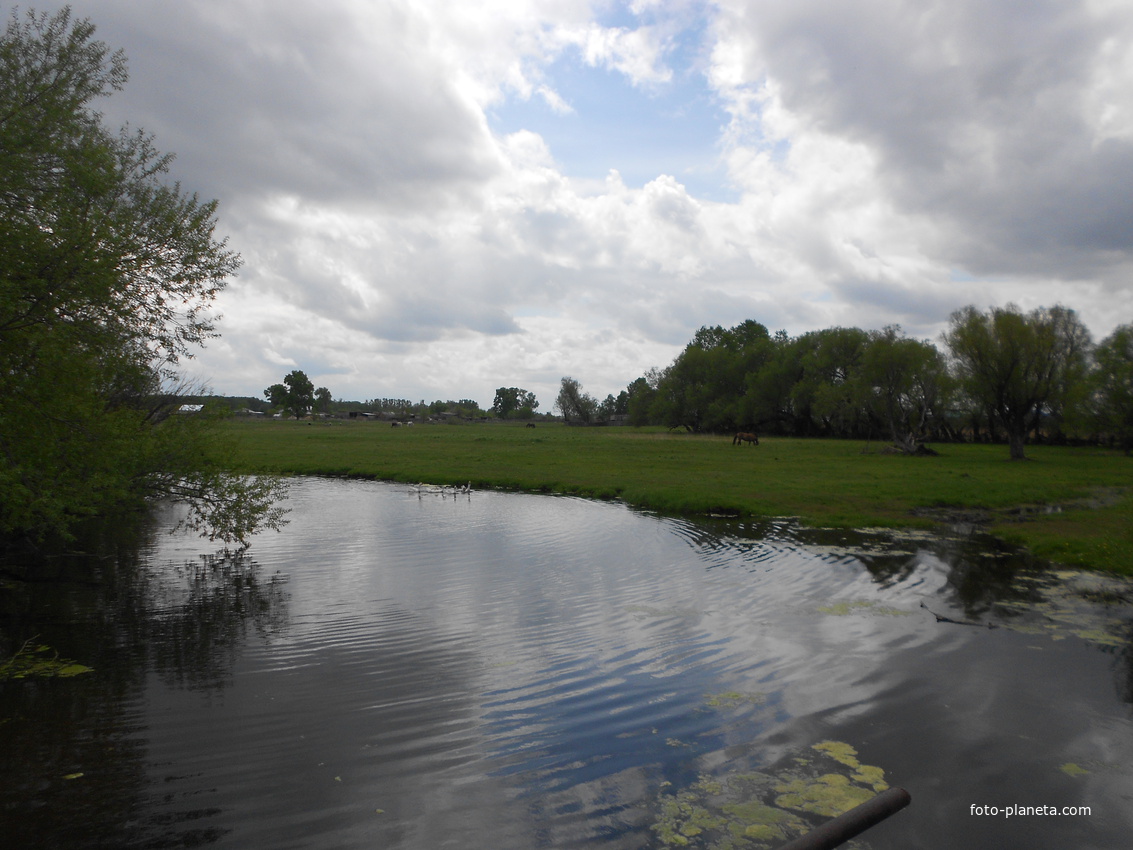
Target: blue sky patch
[{"x": 642, "y": 131}]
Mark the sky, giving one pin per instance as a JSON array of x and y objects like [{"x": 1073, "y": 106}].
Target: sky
[{"x": 435, "y": 199}]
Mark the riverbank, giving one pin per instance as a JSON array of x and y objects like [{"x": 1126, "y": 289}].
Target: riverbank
[{"x": 1072, "y": 505}]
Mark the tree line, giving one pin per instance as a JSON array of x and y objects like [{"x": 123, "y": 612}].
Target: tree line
[
  {"x": 1002, "y": 375},
  {"x": 297, "y": 396}
]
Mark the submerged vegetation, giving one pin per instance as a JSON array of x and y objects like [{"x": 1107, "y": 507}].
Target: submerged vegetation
[
  {"x": 1070, "y": 504},
  {"x": 764, "y": 809},
  {"x": 41, "y": 661}
]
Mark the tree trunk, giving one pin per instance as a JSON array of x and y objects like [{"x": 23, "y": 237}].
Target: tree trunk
[{"x": 1017, "y": 440}]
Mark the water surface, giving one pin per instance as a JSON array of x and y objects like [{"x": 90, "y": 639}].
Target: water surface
[{"x": 400, "y": 670}]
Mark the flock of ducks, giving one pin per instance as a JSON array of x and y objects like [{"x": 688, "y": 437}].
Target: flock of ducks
[{"x": 441, "y": 489}]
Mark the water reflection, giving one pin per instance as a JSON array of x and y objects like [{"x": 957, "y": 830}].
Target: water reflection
[
  {"x": 411, "y": 671},
  {"x": 76, "y": 751}
]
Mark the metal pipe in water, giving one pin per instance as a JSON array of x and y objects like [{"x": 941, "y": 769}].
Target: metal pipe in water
[{"x": 854, "y": 822}]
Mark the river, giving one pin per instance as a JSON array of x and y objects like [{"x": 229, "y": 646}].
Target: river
[{"x": 402, "y": 669}]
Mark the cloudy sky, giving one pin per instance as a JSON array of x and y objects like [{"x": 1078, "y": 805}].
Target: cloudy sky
[{"x": 434, "y": 199}]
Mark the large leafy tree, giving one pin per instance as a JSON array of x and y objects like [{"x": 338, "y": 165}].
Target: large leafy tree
[
  {"x": 514, "y": 401},
  {"x": 296, "y": 394},
  {"x": 828, "y": 387},
  {"x": 1112, "y": 384},
  {"x": 108, "y": 274},
  {"x": 904, "y": 383},
  {"x": 704, "y": 388},
  {"x": 323, "y": 400},
  {"x": 1022, "y": 367},
  {"x": 575, "y": 405}
]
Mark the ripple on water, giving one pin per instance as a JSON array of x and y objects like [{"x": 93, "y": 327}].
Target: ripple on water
[{"x": 521, "y": 671}]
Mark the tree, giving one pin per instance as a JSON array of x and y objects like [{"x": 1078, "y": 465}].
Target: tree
[
  {"x": 828, "y": 388},
  {"x": 904, "y": 382},
  {"x": 107, "y": 279},
  {"x": 607, "y": 408},
  {"x": 1021, "y": 367},
  {"x": 277, "y": 395},
  {"x": 575, "y": 405},
  {"x": 704, "y": 388},
  {"x": 639, "y": 398},
  {"x": 323, "y": 400},
  {"x": 1112, "y": 385},
  {"x": 296, "y": 395},
  {"x": 514, "y": 400}
]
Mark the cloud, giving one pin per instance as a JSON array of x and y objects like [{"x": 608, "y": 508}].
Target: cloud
[
  {"x": 1006, "y": 127},
  {"x": 343, "y": 102},
  {"x": 885, "y": 162}
]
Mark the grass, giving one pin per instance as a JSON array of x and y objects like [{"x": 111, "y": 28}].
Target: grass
[{"x": 822, "y": 482}]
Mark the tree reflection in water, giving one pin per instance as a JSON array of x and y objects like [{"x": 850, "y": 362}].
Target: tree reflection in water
[
  {"x": 73, "y": 752},
  {"x": 522, "y": 671}
]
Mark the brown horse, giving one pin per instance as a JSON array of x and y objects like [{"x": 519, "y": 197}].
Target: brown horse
[{"x": 745, "y": 437}]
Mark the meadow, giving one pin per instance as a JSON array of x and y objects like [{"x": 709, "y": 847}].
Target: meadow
[{"x": 1072, "y": 505}]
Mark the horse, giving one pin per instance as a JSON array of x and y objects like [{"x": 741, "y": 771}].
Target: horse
[
  {"x": 745, "y": 437},
  {"x": 529, "y": 425}
]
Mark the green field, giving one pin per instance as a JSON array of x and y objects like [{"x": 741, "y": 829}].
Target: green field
[{"x": 822, "y": 482}]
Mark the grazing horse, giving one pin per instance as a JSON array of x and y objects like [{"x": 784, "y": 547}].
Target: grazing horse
[
  {"x": 529, "y": 425},
  {"x": 744, "y": 437}
]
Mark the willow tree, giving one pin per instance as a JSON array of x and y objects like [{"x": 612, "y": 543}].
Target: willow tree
[
  {"x": 575, "y": 405},
  {"x": 108, "y": 275},
  {"x": 1112, "y": 385},
  {"x": 904, "y": 383},
  {"x": 1023, "y": 367}
]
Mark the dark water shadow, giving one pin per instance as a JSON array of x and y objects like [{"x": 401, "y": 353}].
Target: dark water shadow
[{"x": 74, "y": 751}]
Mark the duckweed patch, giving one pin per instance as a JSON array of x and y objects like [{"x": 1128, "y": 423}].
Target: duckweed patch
[
  {"x": 642, "y": 612},
  {"x": 761, "y": 810},
  {"x": 1070, "y": 603},
  {"x": 829, "y": 795},
  {"x": 40, "y": 660},
  {"x": 734, "y": 699},
  {"x": 862, "y": 606},
  {"x": 1071, "y": 769}
]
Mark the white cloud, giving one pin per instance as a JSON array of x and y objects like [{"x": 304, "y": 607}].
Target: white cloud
[
  {"x": 984, "y": 118},
  {"x": 890, "y": 161}
]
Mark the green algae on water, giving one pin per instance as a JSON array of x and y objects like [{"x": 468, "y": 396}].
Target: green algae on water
[
  {"x": 40, "y": 661},
  {"x": 1070, "y": 603},
  {"x": 734, "y": 699},
  {"x": 839, "y": 751},
  {"x": 1071, "y": 769},
  {"x": 830, "y": 795},
  {"x": 862, "y": 606},
  {"x": 843, "y": 753},
  {"x": 762, "y": 810},
  {"x": 720, "y": 815}
]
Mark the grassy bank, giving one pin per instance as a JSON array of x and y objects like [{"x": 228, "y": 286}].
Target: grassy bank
[{"x": 823, "y": 482}]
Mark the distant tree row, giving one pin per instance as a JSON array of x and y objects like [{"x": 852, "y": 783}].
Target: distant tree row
[
  {"x": 297, "y": 396},
  {"x": 1003, "y": 375}
]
